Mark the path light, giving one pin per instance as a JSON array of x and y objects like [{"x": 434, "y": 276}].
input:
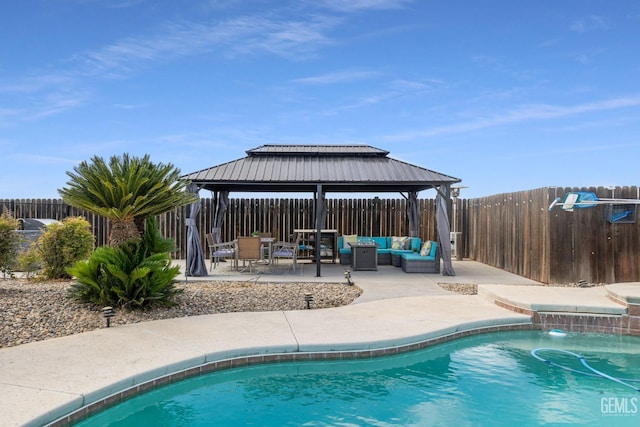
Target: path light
[
  {"x": 308, "y": 298},
  {"x": 108, "y": 313},
  {"x": 583, "y": 283},
  {"x": 347, "y": 275}
]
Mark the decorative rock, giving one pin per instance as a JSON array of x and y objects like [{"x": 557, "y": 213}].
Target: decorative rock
[{"x": 34, "y": 311}]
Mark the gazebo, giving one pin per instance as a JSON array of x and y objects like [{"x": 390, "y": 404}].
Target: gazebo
[{"x": 321, "y": 169}]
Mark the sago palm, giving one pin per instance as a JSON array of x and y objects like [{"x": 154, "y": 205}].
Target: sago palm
[{"x": 126, "y": 191}]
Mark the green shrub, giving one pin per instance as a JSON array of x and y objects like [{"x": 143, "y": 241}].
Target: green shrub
[
  {"x": 64, "y": 244},
  {"x": 135, "y": 274},
  {"x": 9, "y": 243},
  {"x": 30, "y": 261}
]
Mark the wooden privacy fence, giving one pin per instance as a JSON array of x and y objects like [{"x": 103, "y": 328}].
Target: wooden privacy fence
[
  {"x": 515, "y": 231},
  {"x": 366, "y": 217},
  {"x": 55, "y": 209}
]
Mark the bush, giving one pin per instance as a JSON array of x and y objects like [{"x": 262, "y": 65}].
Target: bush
[
  {"x": 9, "y": 243},
  {"x": 135, "y": 274},
  {"x": 64, "y": 244},
  {"x": 30, "y": 261}
]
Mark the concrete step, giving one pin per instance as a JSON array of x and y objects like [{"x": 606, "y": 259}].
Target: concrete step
[{"x": 593, "y": 300}]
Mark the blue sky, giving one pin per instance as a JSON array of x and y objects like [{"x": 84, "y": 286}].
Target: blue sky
[{"x": 506, "y": 95}]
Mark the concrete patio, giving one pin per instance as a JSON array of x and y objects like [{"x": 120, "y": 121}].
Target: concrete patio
[{"x": 44, "y": 381}]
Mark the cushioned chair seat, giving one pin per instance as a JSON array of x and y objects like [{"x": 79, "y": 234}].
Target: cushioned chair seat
[
  {"x": 413, "y": 256},
  {"x": 416, "y": 263}
]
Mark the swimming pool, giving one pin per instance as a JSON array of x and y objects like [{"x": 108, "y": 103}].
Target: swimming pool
[{"x": 490, "y": 379}]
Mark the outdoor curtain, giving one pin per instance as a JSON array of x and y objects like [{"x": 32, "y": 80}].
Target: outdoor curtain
[
  {"x": 413, "y": 212},
  {"x": 444, "y": 234},
  {"x": 222, "y": 201},
  {"x": 195, "y": 265}
]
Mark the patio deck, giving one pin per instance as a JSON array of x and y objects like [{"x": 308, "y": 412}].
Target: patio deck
[{"x": 387, "y": 282}]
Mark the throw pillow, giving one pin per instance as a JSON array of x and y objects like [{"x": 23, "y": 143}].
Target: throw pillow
[
  {"x": 426, "y": 248},
  {"x": 348, "y": 238},
  {"x": 407, "y": 243},
  {"x": 398, "y": 242}
]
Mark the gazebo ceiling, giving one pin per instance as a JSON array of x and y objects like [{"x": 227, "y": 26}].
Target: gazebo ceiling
[{"x": 301, "y": 168}]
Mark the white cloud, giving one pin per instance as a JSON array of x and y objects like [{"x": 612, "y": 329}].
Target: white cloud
[
  {"x": 241, "y": 36},
  {"x": 358, "y": 5},
  {"x": 36, "y": 83},
  {"x": 112, "y": 4},
  {"x": 43, "y": 159},
  {"x": 57, "y": 102},
  {"x": 130, "y": 106},
  {"x": 345, "y": 76},
  {"x": 244, "y": 35},
  {"x": 521, "y": 114},
  {"x": 589, "y": 23},
  {"x": 7, "y": 115},
  {"x": 47, "y": 105},
  {"x": 563, "y": 151}
]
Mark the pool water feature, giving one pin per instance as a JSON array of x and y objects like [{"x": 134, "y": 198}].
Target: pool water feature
[{"x": 490, "y": 379}]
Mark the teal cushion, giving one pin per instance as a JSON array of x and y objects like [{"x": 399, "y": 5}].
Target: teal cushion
[
  {"x": 381, "y": 242},
  {"x": 416, "y": 257},
  {"x": 400, "y": 251}
]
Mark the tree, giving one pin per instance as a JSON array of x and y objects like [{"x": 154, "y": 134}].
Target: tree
[
  {"x": 126, "y": 191},
  {"x": 9, "y": 243}
]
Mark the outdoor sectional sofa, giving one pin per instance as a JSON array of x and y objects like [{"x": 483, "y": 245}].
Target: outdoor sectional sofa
[{"x": 386, "y": 254}]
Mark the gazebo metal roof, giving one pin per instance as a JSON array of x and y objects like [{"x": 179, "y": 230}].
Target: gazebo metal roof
[{"x": 301, "y": 168}]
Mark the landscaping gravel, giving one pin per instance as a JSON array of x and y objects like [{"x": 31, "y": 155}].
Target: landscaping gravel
[
  {"x": 34, "y": 311},
  {"x": 472, "y": 288}
]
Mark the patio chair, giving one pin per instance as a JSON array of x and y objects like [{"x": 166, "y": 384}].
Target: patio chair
[
  {"x": 286, "y": 250},
  {"x": 249, "y": 249},
  {"x": 219, "y": 251}
]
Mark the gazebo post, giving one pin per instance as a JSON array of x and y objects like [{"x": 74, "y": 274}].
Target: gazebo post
[{"x": 319, "y": 202}]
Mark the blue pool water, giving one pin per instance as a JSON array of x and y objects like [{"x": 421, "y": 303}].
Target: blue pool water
[{"x": 484, "y": 380}]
